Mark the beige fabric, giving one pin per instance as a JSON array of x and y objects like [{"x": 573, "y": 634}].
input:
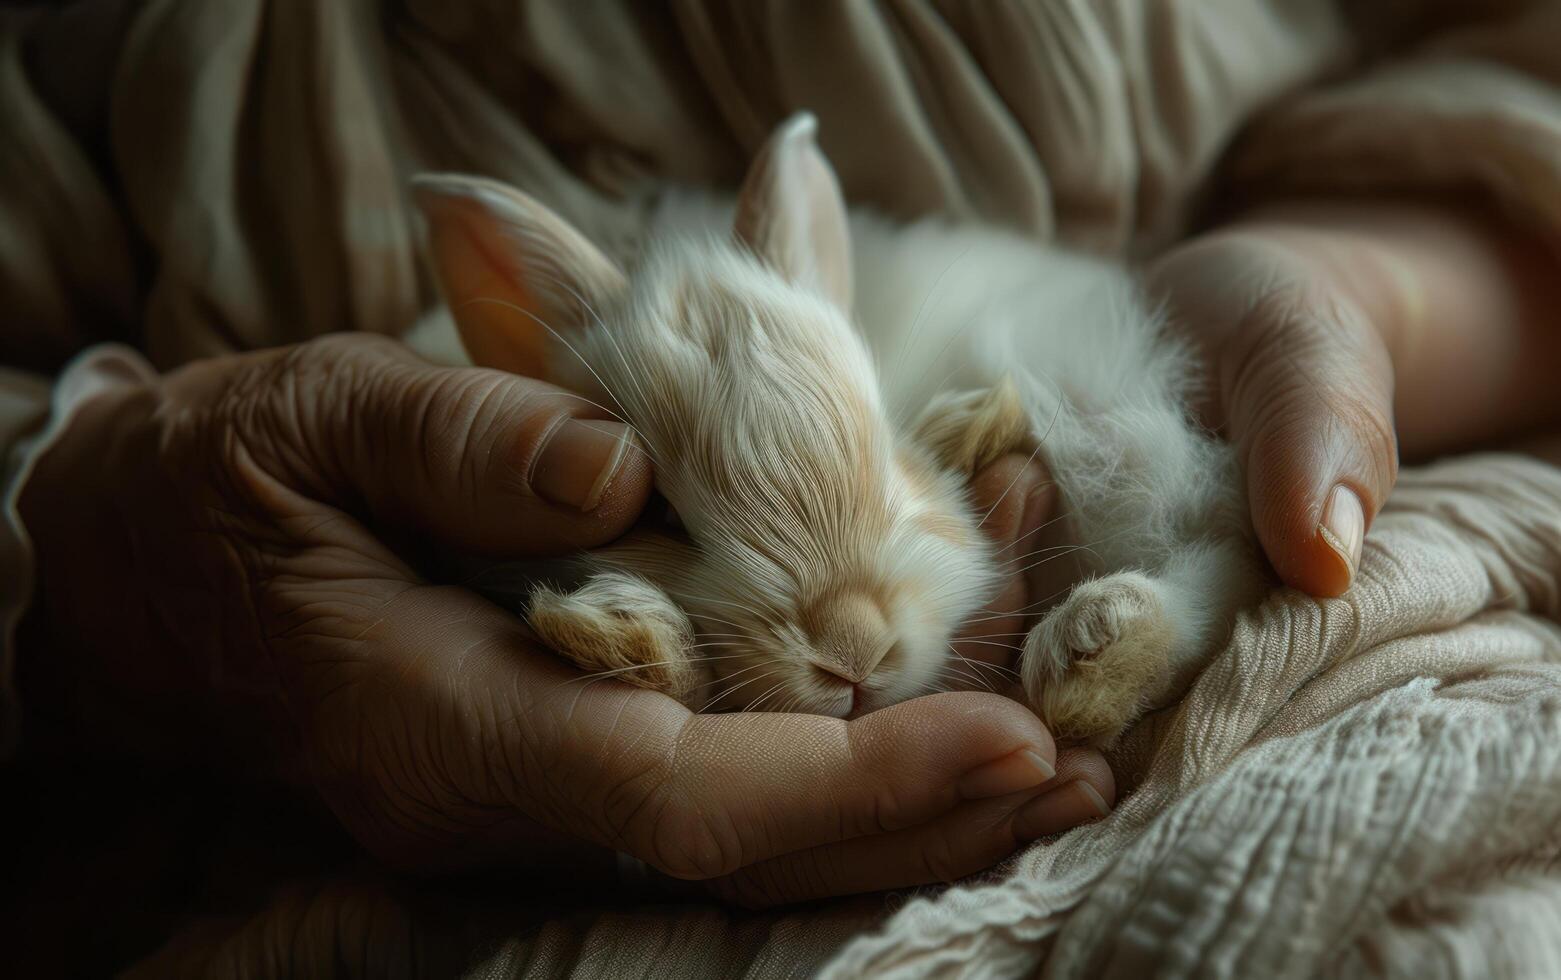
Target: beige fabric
[
  {"x": 1357, "y": 787},
  {"x": 198, "y": 176},
  {"x": 260, "y": 150}
]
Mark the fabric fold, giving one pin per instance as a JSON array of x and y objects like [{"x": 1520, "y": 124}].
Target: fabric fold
[{"x": 1341, "y": 764}]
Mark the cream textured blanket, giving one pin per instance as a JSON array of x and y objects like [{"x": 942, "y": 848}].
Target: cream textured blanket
[{"x": 1362, "y": 786}]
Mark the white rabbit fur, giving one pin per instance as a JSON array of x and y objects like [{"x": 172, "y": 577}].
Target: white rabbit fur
[{"x": 814, "y": 391}]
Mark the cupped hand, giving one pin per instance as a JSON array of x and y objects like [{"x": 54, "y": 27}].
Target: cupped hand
[
  {"x": 1338, "y": 333},
  {"x": 229, "y": 569}
]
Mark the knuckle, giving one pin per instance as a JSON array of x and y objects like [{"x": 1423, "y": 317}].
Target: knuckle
[
  {"x": 515, "y": 417},
  {"x": 482, "y": 427},
  {"x": 1306, "y": 362},
  {"x": 288, "y": 414},
  {"x": 1371, "y": 427},
  {"x": 503, "y": 419},
  {"x": 1277, "y": 333},
  {"x": 436, "y": 412},
  {"x": 890, "y": 811},
  {"x": 326, "y": 364},
  {"x": 1289, "y": 329},
  {"x": 657, "y": 820},
  {"x": 940, "y": 858},
  {"x": 683, "y": 842},
  {"x": 870, "y": 750}
]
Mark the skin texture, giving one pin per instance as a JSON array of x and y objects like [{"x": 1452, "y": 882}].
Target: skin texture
[
  {"x": 248, "y": 534},
  {"x": 1342, "y": 333}
]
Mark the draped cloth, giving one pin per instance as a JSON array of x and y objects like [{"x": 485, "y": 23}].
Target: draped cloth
[{"x": 1364, "y": 785}]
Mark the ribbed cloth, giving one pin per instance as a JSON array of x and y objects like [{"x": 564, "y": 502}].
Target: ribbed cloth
[{"x": 1363, "y": 786}]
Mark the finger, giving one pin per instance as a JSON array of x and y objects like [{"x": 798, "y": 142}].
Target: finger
[
  {"x": 1086, "y": 765},
  {"x": 1309, "y": 399},
  {"x": 1304, "y": 384},
  {"x": 735, "y": 789},
  {"x": 1033, "y": 538},
  {"x": 1015, "y": 496},
  {"x": 480, "y": 460},
  {"x": 483, "y": 717},
  {"x": 970, "y": 838}
]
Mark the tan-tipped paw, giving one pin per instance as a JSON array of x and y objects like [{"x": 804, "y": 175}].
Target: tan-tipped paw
[
  {"x": 966, "y": 430},
  {"x": 1091, "y": 664},
  {"x": 621, "y": 626}
]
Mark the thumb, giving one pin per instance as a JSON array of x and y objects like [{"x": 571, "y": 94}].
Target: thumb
[
  {"x": 1304, "y": 387},
  {"x": 1309, "y": 402},
  {"x": 479, "y": 460}
]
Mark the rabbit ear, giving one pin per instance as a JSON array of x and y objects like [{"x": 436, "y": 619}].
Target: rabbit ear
[
  {"x": 791, "y": 214},
  {"x": 512, "y": 271}
]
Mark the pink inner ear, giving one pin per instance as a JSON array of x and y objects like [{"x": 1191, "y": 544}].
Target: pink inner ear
[
  {"x": 484, "y": 293},
  {"x": 513, "y": 272}
]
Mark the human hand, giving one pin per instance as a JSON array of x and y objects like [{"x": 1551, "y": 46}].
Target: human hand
[
  {"x": 1337, "y": 334},
  {"x": 227, "y": 570}
]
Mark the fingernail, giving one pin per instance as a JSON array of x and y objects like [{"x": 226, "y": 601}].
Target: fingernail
[
  {"x": 1344, "y": 526},
  {"x": 1060, "y": 809},
  {"x": 578, "y": 461},
  {"x": 1010, "y": 774}
]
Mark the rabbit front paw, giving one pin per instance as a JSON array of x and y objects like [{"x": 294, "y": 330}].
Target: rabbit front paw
[
  {"x": 621, "y": 626},
  {"x": 1089, "y": 666}
]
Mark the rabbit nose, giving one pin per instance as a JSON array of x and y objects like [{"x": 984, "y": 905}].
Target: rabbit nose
[
  {"x": 850, "y": 636},
  {"x": 852, "y": 674}
]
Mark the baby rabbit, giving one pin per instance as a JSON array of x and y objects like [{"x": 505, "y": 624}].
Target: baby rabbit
[{"x": 815, "y": 386}]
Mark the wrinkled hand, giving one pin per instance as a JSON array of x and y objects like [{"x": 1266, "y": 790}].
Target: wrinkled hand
[
  {"x": 228, "y": 563},
  {"x": 1338, "y": 333}
]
